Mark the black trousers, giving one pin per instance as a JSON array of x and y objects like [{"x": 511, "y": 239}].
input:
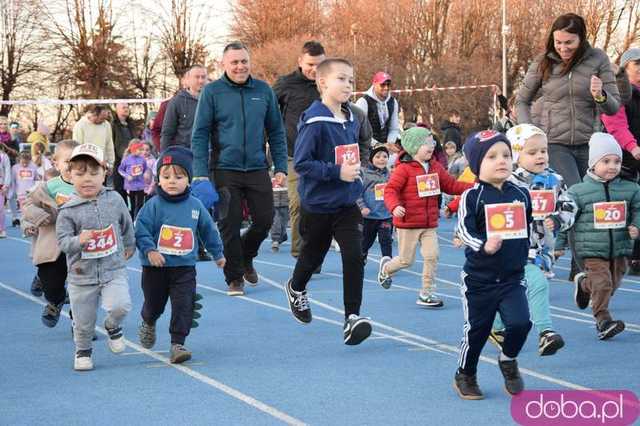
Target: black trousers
[
  {"x": 255, "y": 188},
  {"x": 118, "y": 182},
  {"x": 177, "y": 284},
  {"x": 136, "y": 201},
  {"x": 383, "y": 229},
  {"x": 317, "y": 230},
  {"x": 53, "y": 276}
]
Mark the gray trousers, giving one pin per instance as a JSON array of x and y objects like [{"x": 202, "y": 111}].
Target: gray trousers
[{"x": 116, "y": 301}]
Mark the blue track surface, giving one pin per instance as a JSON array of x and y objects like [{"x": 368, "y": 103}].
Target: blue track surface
[{"x": 253, "y": 364}]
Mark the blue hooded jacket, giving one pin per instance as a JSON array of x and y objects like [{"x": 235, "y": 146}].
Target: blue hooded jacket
[{"x": 319, "y": 133}]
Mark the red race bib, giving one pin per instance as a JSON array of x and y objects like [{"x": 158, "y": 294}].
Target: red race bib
[
  {"x": 543, "y": 202},
  {"x": 103, "y": 243},
  {"x": 379, "y": 191},
  {"x": 428, "y": 185},
  {"x": 136, "y": 170},
  {"x": 507, "y": 220},
  {"x": 347, "y": 153},
  {"x": 610, "y": 215},
  {"x": 175, "y": 241},
  {"x": 25, "y": 174}
]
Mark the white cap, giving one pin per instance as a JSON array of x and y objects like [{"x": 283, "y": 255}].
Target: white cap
[
  {"x": 601, "y": 145},
  {"x": 519, "y": 135},
  {"x": 90, "y": 150}
]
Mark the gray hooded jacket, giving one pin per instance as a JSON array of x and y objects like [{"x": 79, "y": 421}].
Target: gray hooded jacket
[
  {"x": 569, "y": 114},
  {"x": 178, "y": 120},
  {"x": 80, "y": 214}
]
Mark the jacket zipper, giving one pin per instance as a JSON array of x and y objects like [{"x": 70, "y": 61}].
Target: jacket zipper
[
  {"x": 95, "y": 205},
  {"x": 244, "y": 131},
  {"x": 608, "y": 198},
  {"x": 573, "y": 112}
]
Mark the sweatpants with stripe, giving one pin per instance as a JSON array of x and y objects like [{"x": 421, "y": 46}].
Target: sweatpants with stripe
[
  {"x": 538, "y": 299},
  {"x": 480, "y": 303}
]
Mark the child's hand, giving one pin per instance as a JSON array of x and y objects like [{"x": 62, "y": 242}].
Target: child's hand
[
  {"x": 399, "y": 211},
  {"x": 493, "y": 244},
  {"x": 221, "y": 262},
  {"x": 129, "y": 178},
  {"x": 634, "y": 232},
  {"x": 447, "y": 212},
  {"x": 156, "y": 259},
  {"x": 85, "y": 237},
  {"x": 549, "y": 224},
  {"x": 280, "y": 179},
  {"x": 365, "y": 211},
  {"x": 31, "y": 231},
  {"x": 128, "y": 253},
  {"x": 349, "y": 171},
  {"x": 457, "y": 242},
  {"x": 558, "y": 253}
]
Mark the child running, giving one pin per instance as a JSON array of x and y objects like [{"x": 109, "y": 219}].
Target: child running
[
  {"x": 166, "y": 230},
  {"x": 133, "y": 168},
  {"x": 24, "y": 176},
  {"x": 412, "y": 197},
  {"x": 377, "y": 219},
  {"x": 327, "y": 161},
  {"x": 39, "y": 221},
  {"x": 5, "y": 186},
  {"x": 95, "y": 231},
  {"x": 606, "y": 222},
  {"x": 493, "y": 273},
  {"x": 553, "y": 211}
]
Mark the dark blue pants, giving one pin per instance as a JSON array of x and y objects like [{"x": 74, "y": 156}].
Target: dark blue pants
[
  {"x": 383, "y": 229},
  {"x": 480, "y": 302}
]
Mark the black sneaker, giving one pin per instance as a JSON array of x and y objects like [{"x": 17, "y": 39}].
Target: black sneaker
[
  {"x": 15, "y": 223},
  {"x": 581, "y": 297},
  {"x": 36, "y": 286},
  {"x": 467, "y": 386},
  {"x": 549, "y": 343},
  {"x": 318, "y": 270},
  {"x": 356, "y": 329},
  {"x": 429, "y": 301},
  {"x": 513, "y": 382},
  {"x": 298, "y": 303},
  {"x": 250, "y": 274},
  {"x": 497, "y": 338},
  {"x": 51, "y": 314},
  {"x": 609, "y": 328}
]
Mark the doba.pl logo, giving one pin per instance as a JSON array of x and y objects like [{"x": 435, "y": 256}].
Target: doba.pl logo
[{"x": 568, "y": 408}]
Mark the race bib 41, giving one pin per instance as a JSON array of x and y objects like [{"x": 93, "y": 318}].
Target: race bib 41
[{"x": 506, "y": 220}]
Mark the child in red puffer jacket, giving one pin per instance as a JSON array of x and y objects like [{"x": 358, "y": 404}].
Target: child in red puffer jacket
[{"x": 411, "y": 195}]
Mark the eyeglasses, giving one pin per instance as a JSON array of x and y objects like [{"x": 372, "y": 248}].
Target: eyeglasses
[{"x": 386, "y": 84}]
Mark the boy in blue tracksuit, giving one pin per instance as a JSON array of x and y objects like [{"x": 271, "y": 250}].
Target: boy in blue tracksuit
[
  {"x": 327, "y": 161},
  {"x": 377, "y": 219},
  {"x": 493, "y": 274},
  {"x": 166, "y": 230}
]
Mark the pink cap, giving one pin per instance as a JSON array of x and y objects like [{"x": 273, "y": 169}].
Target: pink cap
[{"x": 380, "y": 77}]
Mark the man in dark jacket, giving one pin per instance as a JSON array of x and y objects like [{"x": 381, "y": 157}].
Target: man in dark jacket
[
  {"x": 451, "y": 130},
  {"x": 234, "y": 113},
  {"x": 296, "y": 92},
  {"x": 181, "y": 110},
  {"x": 123, "y": 130}
]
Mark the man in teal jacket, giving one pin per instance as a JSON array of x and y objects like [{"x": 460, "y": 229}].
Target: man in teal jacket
[{"x": 228, "y": 142}]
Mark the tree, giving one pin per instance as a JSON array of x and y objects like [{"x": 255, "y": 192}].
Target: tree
[{"x": 19, "y": 45}]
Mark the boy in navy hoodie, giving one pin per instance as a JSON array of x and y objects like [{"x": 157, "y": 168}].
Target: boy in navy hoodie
[
  {"x": 497, "y": 250},
  {"x": 327, "y": 161},
  {"x": 166, "y": 230}
]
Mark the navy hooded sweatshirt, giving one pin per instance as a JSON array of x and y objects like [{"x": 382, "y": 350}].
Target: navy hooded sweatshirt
[{"x": 319, "y": 132}]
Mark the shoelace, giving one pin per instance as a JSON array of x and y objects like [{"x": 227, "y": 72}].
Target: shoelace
[
  {"x": 301, "y": 302},
  {"x": 114, "y": 333}
]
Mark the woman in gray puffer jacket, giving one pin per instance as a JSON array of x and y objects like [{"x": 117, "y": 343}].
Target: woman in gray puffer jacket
[{"x": 576, "y": 84}]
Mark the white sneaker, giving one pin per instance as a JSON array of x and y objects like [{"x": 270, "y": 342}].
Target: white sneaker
[
  {"x": 83, "y": 361},
  {"x": 115, "y": 339}
]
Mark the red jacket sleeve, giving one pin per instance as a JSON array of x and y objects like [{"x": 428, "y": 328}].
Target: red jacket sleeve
[
  {"x": 394, "y": 188},
  {"x": 448, "y": 184},
  {"x": 156, "y": 130}
]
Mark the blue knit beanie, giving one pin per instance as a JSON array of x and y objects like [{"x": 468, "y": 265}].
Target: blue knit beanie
[
  {"x": 176, "y": 155},
  {"x": 477, "y": 145}
]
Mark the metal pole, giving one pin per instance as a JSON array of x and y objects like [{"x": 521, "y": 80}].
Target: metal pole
[{"x": 505, "y": 29}]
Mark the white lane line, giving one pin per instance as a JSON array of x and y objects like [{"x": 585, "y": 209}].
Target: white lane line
[
  {"x": 140, "y": 353},
  {"x": 261, "y": 406},
  {"x": 443, "y": 347}
]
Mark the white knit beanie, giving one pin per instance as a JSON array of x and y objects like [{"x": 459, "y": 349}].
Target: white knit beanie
[{"x": 601, "y": 145}]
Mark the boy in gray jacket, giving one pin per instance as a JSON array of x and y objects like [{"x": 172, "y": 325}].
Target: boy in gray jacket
[{"x": 94, "y": 229}]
